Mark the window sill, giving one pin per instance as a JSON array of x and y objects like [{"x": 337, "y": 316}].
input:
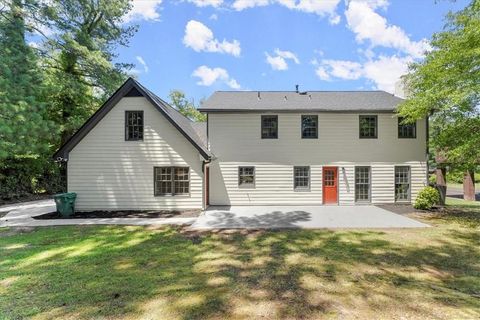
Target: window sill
[{"x": 301, "y": 190}]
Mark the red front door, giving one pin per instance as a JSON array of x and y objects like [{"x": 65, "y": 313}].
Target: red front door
[{"x": 330, "y": 188}]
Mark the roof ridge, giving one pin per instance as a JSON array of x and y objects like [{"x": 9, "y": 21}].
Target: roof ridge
[
  {"x": 293, "y": 91},
  {"x": 166, "y": 104}
]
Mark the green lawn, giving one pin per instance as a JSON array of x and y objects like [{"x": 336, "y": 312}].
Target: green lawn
[{"x": 121, "y": 272}]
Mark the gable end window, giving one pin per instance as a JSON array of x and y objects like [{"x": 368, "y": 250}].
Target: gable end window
[
  {"x": 246, "y": 177},
  {"x": 301, "y": 178},
  {"x": 171, "y": 181},
  {"x": 133, "y": 125},
  {"x": 309, "y": 127},
  {"x": 406, "y": 130},
  {"x": 269, "y": 127},
  {"x": 368, "y": 127}
]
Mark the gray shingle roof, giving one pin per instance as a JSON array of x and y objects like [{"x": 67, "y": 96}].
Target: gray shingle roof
[
  {"x": 194, "y": 130},
  {"x": 335, "y": 101}
]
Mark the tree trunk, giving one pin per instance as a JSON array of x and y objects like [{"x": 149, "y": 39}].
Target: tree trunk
[
  {"x": 469, "y": 185},
  {"x": 441, "y": 182}
]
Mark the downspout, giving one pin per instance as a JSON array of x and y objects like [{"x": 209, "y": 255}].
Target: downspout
[{"x": 427, "y": 149}]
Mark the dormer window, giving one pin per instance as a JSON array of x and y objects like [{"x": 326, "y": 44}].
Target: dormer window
[{"x": 133, "y": 125}]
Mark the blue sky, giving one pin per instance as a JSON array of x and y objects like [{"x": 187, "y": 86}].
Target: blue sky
[{"x": 199, "y": 46}]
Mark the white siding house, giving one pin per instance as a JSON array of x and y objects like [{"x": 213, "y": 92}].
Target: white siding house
[
  {"x": 109, "y": 172},
  {"x": 235, "y": 140},
  {"x": 257, "y": 148}
]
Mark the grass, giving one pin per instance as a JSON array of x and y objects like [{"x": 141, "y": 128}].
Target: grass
[{"x": 124, "y": 272}]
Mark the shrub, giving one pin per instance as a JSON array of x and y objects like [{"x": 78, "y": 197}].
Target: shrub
[{"x": 427, "y": 198}]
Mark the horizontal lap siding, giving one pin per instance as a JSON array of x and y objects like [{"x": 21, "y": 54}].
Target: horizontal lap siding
[
  {"x": 273, "y": 185},
  {"x": 109, "y": 173},
  {"x": 235, "y": 140},
  {"x": 346, "y": 185},
  {"x": 383, "y": 183}
]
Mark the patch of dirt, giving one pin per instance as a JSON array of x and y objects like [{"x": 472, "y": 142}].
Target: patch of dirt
[
  {"x": 403, "y": 209},
  {"x": 11, "y": 231},
  {"x": 124, "y": 214}
]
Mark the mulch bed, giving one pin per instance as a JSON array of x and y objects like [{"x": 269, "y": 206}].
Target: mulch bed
[{"x": 124, "y": 214}]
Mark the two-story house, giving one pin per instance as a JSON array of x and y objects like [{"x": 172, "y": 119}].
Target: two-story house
[{"x": 257, "y": 148}]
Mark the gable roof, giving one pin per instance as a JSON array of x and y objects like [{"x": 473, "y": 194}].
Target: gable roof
[
  {"x": 133, "y": 88},
  {"x": 329, "y": 101}
]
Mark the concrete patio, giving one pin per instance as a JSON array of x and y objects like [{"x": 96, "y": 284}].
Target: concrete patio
[
  {"x": 305, "y": 217},
  {"x": 253, "y": 217}
]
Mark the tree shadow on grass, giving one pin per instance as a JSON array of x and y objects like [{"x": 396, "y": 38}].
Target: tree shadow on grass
[{"x": 135, "y": 272}]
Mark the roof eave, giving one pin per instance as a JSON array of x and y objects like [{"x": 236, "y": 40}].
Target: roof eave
[{"x": 222, "y": 110}]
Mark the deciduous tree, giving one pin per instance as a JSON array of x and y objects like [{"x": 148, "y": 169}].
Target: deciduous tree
[{"x": 446, "y": 87}]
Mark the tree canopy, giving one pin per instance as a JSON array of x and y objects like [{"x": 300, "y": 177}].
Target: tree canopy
[
  {"x": 186, "y": 107},
  {"x": 446, "y": 87}
]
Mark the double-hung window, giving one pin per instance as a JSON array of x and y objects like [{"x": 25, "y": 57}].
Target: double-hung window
[
  {"x": 246, "y": 177},
  {"x": 362, "y": 184},
  {"x": 402, "y": 183},
  {"x": 171, "y": 181},
  {"x": 368, "y": 127},
  {"x": 406, "y": 130},
  {"x": 133, "y": 125},
  {"x": 269, "y": 127},
  {"x": 309, "y": 127},
  {"x": 301, "y": 178}
]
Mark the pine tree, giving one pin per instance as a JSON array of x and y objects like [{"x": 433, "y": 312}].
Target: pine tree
[{"x": 23, "y": 126}]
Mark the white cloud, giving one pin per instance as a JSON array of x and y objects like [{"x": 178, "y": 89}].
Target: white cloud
[
  {"x": 279, "y": 62},
  {"x": 287, "y": 55},
  {"x": 343, "y": 69},
  {"x": 33, "y": 44},
  {"x": 245, "y": 4},
  {"x": 142, "y": 62},
  {"x": 369, "y": 25},
  {"x": 384, "y": 72},
  {"x": 213, "y": 17},
  {"x": 209, "y": 76},
  {"x": 319, "y": 7},
  {"x": 200, "y": 38},
  {"x": 322, "y": 73},
  {"x": 144, "y": 10},
  {"x": 206, "y": 3}
]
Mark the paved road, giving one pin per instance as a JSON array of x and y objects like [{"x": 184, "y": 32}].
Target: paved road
[{"x": 458, "y": 193}]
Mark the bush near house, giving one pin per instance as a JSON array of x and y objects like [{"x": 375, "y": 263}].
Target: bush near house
[{"x": 427, "y": 198}]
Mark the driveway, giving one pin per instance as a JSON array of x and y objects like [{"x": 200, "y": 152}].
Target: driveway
[{"x": 306, "y": 217}]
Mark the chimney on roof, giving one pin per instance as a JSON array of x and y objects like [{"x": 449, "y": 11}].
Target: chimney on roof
[
  {"x": 296, "y": 88},
  {"x": 258, "y": 95}
]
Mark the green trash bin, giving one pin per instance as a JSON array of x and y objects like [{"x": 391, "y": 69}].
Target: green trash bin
[{"x": 65, "y": 203}]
